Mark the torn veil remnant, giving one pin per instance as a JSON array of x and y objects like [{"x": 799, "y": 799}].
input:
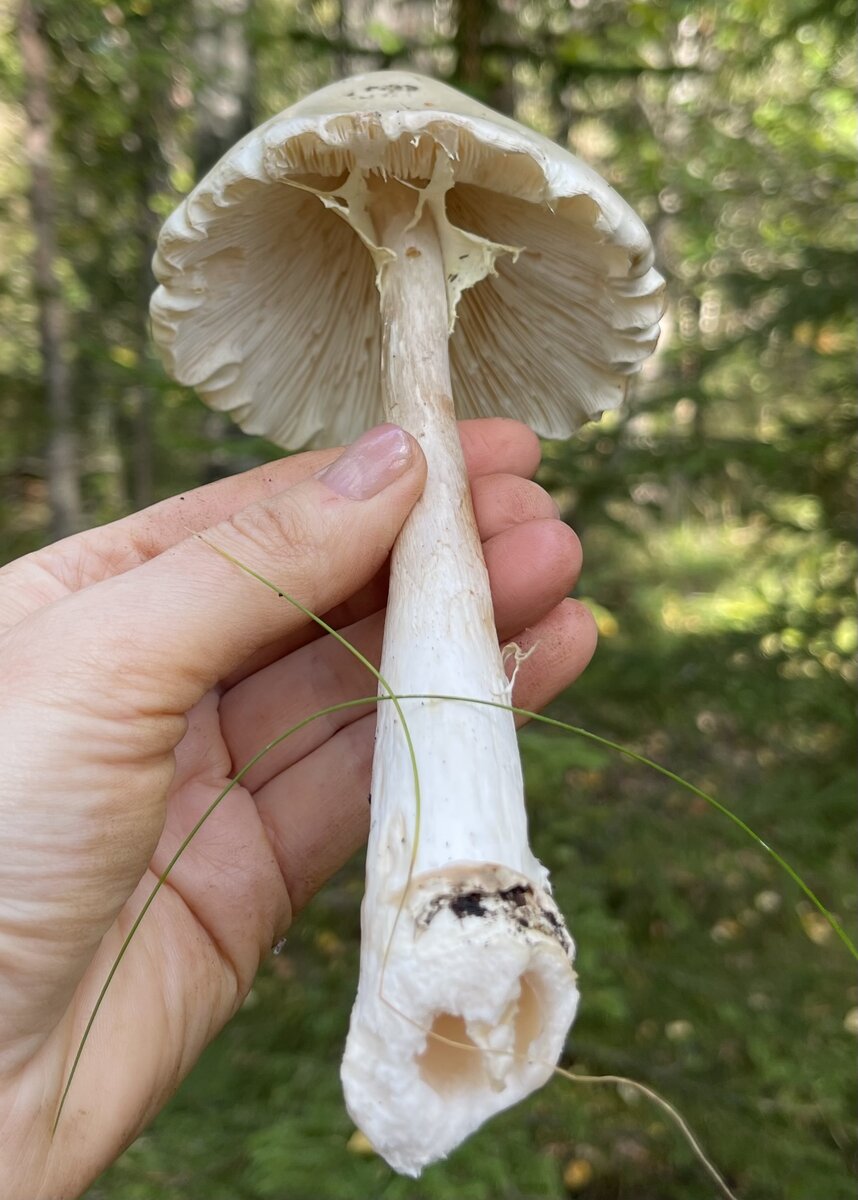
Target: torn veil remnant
[{"x": 381, "y": 247}]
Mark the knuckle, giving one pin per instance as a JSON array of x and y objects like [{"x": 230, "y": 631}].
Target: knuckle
[
  {"x": 503, "y": 501},
  {"x": 564, "y": 551},
  {"x": 281, "y": 532},
  {"x": 585, "y": 624},
  {"x": 564, "y": 546},
  {"x": 518, "y": 442},
  {"x": 532, "y": 502}
]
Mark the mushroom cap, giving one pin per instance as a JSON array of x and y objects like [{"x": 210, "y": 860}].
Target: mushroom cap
[{"x": 267, "y": 303}]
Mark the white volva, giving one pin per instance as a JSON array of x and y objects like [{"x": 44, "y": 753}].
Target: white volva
[{"x": 379, "y": 249}]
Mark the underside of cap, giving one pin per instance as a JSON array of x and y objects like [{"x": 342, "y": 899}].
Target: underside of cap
[{"x": 268, "y": 301}]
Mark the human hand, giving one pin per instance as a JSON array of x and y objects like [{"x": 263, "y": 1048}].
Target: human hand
[{"x": 138, "y": 671}]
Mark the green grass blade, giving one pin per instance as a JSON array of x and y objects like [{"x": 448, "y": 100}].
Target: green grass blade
[
  {"x": 236, "y": 779},
  {"x": 390, "y": 695},
  {"x": 523, "y": 712},
  {"x": 557, "y": 724},
  {"x": 162, "y": 878}
]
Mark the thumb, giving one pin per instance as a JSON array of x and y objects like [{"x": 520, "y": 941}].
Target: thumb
[{"x": 170, "y": 629}]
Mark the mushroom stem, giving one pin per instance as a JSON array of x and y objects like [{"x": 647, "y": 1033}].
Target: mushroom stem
[
  {"x": 460, "y": 934},
  {"x": 440, "y": 633}
]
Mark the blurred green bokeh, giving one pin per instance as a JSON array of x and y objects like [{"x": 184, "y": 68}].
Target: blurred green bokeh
[{"x": 717, "y": 516}]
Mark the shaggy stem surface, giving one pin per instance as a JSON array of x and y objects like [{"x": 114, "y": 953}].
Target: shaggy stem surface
[{"x": 466, "y": 990}]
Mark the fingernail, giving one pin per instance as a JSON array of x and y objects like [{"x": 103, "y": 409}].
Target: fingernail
[{"x": 370, "y": 464}]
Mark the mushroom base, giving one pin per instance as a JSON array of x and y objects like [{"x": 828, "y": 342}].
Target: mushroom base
[{"x": 464, "y": 1013}]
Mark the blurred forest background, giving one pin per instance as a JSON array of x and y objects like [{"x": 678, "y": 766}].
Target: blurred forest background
[{"x": 716, "y": 514}]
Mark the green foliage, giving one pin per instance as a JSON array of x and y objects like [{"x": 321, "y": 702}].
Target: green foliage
[{"x": 717, "y": 514}]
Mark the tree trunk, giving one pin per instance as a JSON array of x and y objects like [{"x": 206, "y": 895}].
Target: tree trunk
[
  {"x": 225, "y": 70},
  {"x": 474, "y": 21},
  {"x": 224, "y": 111},
  {"x": 141, "y": 399},
  {"x": 470, "y": 19},
  {"x": 63, "y": 465}
]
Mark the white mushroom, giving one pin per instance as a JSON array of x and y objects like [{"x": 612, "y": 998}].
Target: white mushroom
[{"x": 513, "y": 278}]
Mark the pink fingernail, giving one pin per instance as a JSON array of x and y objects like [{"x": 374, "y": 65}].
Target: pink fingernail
[{"x": 370, "y": 464}]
